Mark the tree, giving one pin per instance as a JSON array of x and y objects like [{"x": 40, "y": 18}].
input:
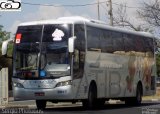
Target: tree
[
  {"x": 6, "y": 62},
  {"x": 4, "y": 35},
  {"x": 150, "y": 12},
  {"x": 122, "y": 19}
]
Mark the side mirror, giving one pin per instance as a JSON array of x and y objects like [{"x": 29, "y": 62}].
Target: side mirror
[
  {"x": 71, "y": 41},
  {"x": 5, "y": 46}
]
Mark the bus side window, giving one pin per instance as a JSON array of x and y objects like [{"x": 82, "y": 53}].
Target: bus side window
[
  {"x": 79, "y": 59},
  {"x": 80, "y": 37},
  {"x": 76, "y": 60},
  {"x": 79, "y": 54},
  {"x": 128, "y": 43}
]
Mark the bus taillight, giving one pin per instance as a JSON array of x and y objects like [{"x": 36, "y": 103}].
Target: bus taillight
[{"x": 18, "y": 38}]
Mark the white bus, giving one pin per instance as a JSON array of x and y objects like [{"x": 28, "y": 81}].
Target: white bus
[{"x": 77, "y": 59}]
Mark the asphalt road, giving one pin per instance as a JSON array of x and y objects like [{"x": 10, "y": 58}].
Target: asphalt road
[
  {"x": 120, "y": 108},
  {"x": 147, "y": 107}
]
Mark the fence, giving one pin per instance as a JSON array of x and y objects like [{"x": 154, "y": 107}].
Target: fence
[{"x": 4, "y": 86}]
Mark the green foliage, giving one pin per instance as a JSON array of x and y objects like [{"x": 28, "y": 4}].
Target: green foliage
[
  {"x": 4, "y": 35},
  {"x": 10, "y": 49},
  {"x": 6, "y": 62}
]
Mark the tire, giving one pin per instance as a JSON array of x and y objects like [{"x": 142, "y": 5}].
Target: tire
[
  {"x": 41, "y": 104},
  {"x": 85, "y": 104},
  {"x": 92, "y": 97},
  {"x": 128, "y": 101},
  {"x": 138, "y": 98},
  {"x": 135, "y": 100},
  {"x": 100, "y": 103},
  {"x": 90, "y": 102}
]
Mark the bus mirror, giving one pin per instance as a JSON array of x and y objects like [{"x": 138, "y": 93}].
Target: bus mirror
[
  {"x": 5, "y": 46},
  {"x": 71, "y": 44}
]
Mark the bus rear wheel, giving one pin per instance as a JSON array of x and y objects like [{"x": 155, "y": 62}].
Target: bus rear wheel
[
  {"x": 41, "y": 104},
  {"x": 138, "y": 98}
]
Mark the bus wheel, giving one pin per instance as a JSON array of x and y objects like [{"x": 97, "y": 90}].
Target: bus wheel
[
  {"x": 41, "y": 104},
  {"x": 138, "y": 98},
  {"x": 85, "y": 104},
  {"x": 92, "y": 96},
  {"x": 135, "y": 100},
  {"x": 100, "y": 103}
]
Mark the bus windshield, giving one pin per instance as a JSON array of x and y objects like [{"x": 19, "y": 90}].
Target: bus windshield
[
  {"x": 27, "y": 56},
  {"x": 42, "y": 47}
]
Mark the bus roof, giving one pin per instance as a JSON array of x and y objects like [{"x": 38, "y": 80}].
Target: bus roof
[{"x": 90, "y": 22}]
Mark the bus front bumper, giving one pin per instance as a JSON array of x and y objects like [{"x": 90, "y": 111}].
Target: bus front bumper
[{"x": 58, "y": 93}]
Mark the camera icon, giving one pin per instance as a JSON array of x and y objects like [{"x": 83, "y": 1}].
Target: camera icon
[{"x": 10, "y": 4}]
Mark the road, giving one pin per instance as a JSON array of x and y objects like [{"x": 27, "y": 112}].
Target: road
[
  {"x": 147, "y": 107},
  {"x": 120, "y": 108}
]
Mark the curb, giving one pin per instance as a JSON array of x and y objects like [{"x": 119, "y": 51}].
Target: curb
[
  {"x": 114, "y": 101},
  {"x": 145, "y": 100},
  {"x": 155, "y": 100},
  {"x": 61, "y": 104},
  {"x": 13, "y": 106}
]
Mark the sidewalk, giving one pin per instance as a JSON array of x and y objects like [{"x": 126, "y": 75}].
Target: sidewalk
[
  {"x": 17, "y": 104},
  {"x": 31, "y": 104}
]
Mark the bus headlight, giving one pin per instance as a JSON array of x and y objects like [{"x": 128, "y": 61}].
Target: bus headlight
[
  {"x": 19, "y": 85},
  {"x": 64, "y": 83}
]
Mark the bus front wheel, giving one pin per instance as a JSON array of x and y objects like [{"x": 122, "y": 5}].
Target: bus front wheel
[
  {"x": 92, "y": 97},
  {"x": 41, "y": 104}
]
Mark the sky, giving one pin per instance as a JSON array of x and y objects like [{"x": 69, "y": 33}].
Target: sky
[{"x": 10, "y": 20}]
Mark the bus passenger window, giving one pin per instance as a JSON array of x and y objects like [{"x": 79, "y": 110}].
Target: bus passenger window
[
  {"x": 76, "y": 60},
  {"x": 79, "y": 58}
]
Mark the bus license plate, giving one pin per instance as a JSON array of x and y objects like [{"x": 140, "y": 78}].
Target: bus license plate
[{"x": 39, "y": 94}]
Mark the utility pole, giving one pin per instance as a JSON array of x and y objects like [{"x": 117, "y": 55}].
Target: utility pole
[
  {"x": 98, "y": 11},
  {"x": 110, "y": 12}
]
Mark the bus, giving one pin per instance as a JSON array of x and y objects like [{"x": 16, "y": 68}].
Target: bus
[{"x": 75, "y": 59}]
